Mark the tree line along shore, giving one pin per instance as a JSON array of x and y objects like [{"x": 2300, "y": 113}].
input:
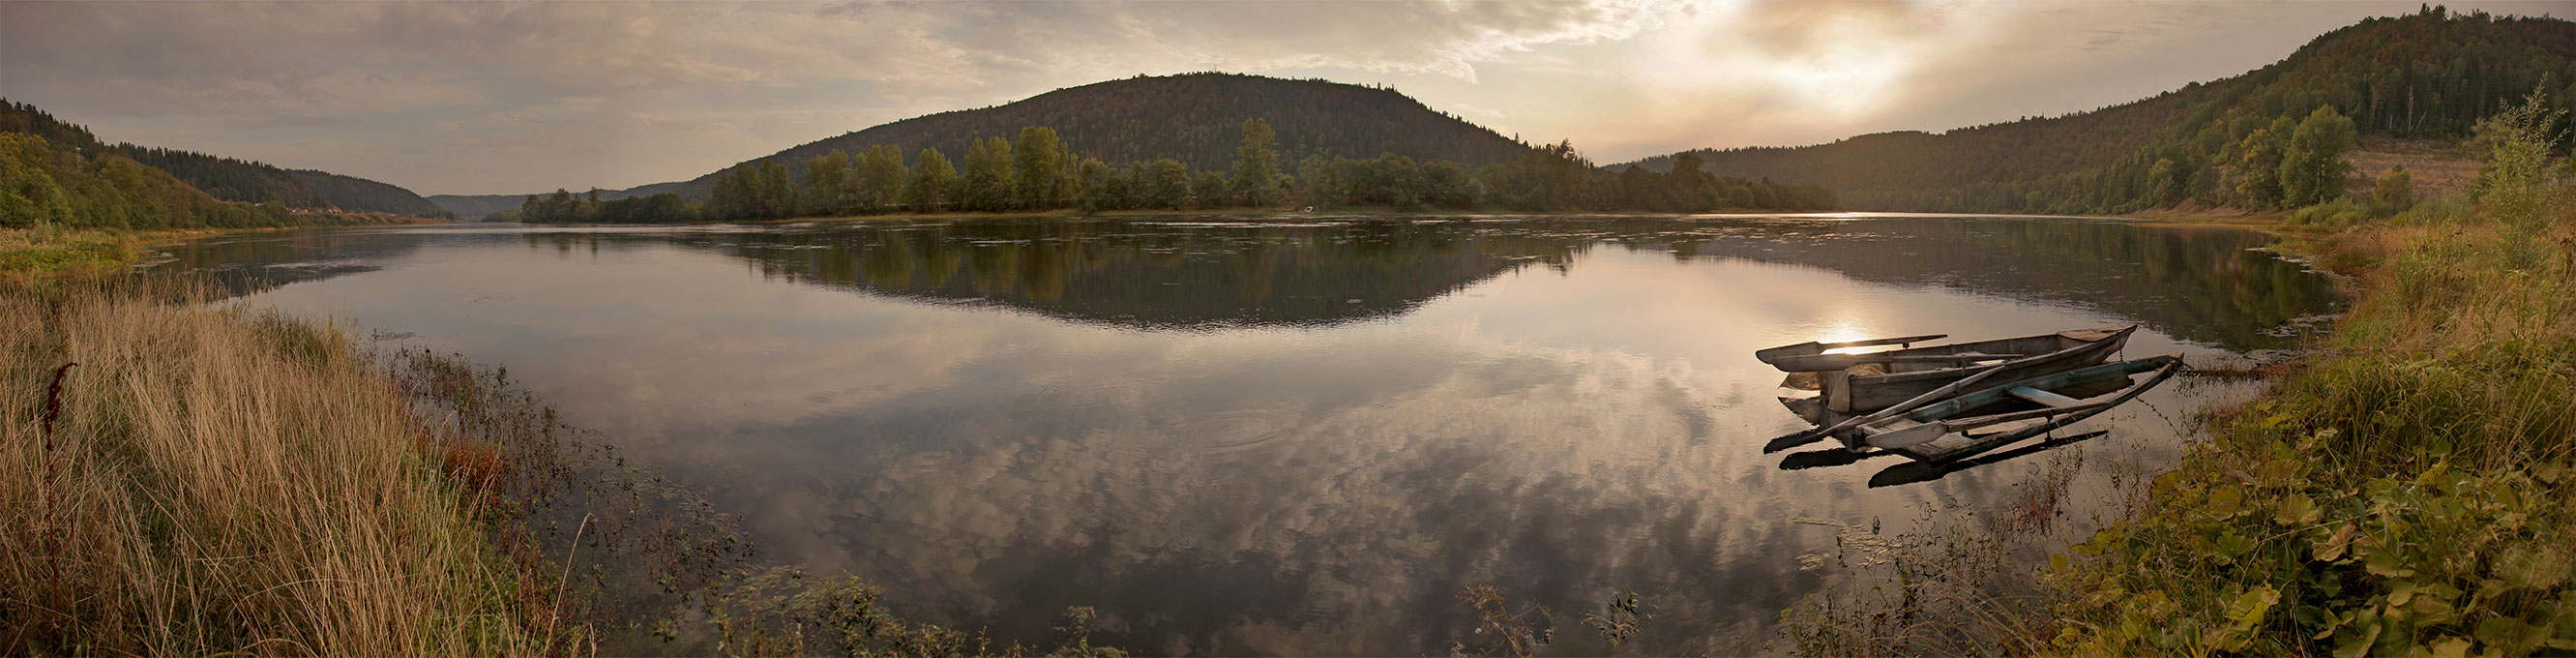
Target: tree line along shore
[{"x": 1034, "y": 172}]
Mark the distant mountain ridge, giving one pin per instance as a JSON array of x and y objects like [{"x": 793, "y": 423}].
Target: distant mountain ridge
[
  {"x": 231, "y": 179},
  {"x": 1196, "y": 118},
  {"x": 2427, "y": 75}
]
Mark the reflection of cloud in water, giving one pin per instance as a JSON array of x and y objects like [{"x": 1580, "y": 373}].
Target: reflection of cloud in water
[
  {"x": 1561, "y": 431},
  {"x": 1517, "y": 467}
]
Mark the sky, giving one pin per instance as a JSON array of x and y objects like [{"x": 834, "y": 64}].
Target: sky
[{"x": 508, "y": 97}]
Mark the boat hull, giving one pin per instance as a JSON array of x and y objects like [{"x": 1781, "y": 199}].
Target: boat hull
[
  {"x": 2112, "y": 380},
  {"x": 1828, "y": 397}
]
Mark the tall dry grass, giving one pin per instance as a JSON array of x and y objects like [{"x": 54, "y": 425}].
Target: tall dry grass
[{"x": 226, "y": 482}]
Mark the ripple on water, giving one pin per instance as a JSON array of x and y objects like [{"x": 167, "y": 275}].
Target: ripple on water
[
  {"x": 1235, "y": 430},
  {"x": 930, "y": 459},
  {"x": 1059, "y": 396}
]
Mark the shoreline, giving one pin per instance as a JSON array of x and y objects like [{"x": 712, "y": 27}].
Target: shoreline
[
  {"x": 2399, "y": 489},
  {"x": 31, "y": 255},
  {"x": 2258, "y": 220},
  {"x": 2294, "y": 490}
]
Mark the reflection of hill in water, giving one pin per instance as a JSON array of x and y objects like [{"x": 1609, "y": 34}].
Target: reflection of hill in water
[
  {"x": 2198, "y": 284},
  {"x": 1156, "y": 274},
  {"x": 2203, "y": 285}
]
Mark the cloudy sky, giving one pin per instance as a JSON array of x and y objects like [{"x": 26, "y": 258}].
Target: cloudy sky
[{"x": 513, "y": 97}]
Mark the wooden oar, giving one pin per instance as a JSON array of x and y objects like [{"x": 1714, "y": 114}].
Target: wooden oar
[
  {"x": 1812, "y": 347},
  {"x": 1901, "y": 407}
]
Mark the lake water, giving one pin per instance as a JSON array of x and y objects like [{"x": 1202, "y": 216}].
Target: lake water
[{"x": 1282, "y": 435}]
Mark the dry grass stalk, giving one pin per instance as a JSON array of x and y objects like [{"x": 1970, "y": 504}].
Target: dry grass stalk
[{"x": 223, "y": 482}]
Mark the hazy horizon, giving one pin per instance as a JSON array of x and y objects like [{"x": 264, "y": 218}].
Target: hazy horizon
[{"x": 518, "y": 97}]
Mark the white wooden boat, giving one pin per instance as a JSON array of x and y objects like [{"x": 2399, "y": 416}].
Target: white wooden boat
[{"x": 1825, "y": 386}]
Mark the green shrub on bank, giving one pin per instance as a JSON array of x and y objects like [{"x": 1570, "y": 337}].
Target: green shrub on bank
[
  {"x": 2339, "y": 213},
  {"x": 31, "y": 252},
  {"x": 2440, "y": 210},
  {"x": 2404, "y": 494},
  {"x": 2373, "y": 507}
]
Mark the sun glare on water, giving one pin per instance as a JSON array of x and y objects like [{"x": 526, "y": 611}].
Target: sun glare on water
[{"x": 1847, "y": 332}]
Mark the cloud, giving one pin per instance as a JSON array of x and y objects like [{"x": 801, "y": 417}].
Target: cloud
[
  {"x": 521, "y": 80},
  {"x": 508, "y": 97},
  {"x": 272, "y": 56}
]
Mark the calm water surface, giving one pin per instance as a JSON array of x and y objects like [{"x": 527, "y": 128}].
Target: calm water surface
[{"x": 1281, "y": 435}]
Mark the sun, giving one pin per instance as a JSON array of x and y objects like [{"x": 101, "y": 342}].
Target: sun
[
  {"x": 1846, "y": 79},
  {"x": 1840, "y": 64}
]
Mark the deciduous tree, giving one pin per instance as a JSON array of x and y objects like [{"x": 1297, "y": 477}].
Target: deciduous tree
[{"x": 1256, "y": 165}]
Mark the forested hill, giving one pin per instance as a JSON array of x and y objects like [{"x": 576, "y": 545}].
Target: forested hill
[
  {"x": 227, "y": 178},
  {"x": 48, "y": 184},
  {"x": 1196, "y": 118},
  {"x": 359, "y": 194},
  {"x": 474, "y": 207},
  {"x": 2427, "y": 75}
]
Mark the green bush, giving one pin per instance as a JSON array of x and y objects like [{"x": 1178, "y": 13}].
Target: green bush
[{"x": 2342, "y": 212}]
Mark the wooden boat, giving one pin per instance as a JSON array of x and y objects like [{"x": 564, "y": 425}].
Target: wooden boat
[
  {"x": 1825, "y": 388},
  {"x": 1943, "y": 431}
]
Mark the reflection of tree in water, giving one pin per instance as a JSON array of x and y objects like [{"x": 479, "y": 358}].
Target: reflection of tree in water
[
  {"x": 1156, "y": 275},
  {"x": 2195, "y": 284},
  {"x": 244, "y": 264},
  {"x": 2203, "y": 285}
]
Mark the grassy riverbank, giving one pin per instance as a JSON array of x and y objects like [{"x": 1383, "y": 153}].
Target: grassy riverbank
[
  {"x": 2405, "y": 490},
  {"x": 28, "y": 254},
  {"x": 212, "y": 482},
  {"x": 2401, "y": 490},
  {"x": 182, "y": 479}
]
